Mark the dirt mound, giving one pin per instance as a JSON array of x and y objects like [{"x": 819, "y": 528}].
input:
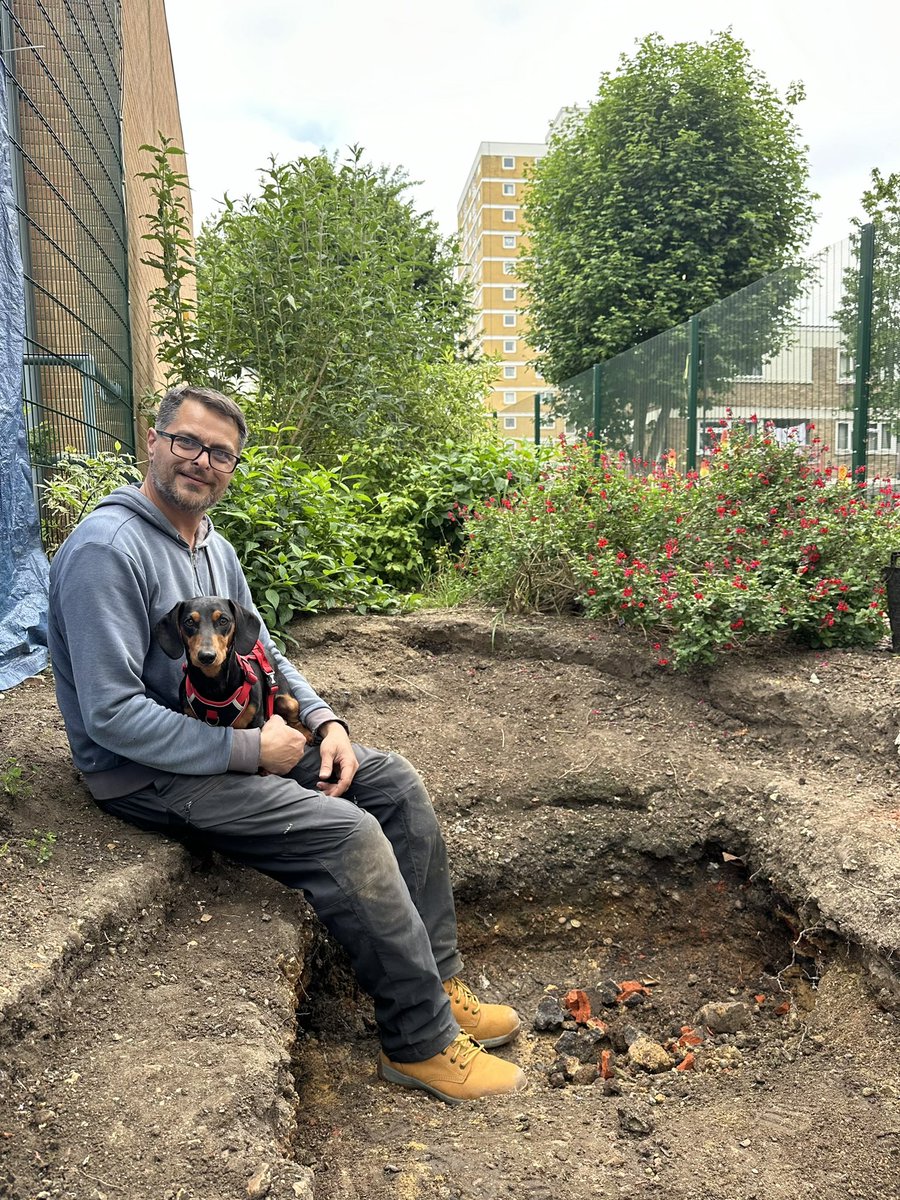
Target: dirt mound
[{"x": 722, "y": 837}]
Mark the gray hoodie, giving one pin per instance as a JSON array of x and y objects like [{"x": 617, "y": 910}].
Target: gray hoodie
[{"x": 117, "y": 574}]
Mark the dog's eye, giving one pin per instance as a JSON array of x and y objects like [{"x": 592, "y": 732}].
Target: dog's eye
[{"x": 223, "y": 622}]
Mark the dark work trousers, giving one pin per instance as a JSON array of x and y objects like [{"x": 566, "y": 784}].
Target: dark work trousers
[{"x": 372, "y": 864}]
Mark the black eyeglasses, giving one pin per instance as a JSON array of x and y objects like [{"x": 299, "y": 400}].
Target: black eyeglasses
[{"x": 188, "y": 447}]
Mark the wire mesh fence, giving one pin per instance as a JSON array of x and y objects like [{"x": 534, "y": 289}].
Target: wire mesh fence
[
  {"x": 63, "y": 69},
  {"x": 811, "y": 354}
]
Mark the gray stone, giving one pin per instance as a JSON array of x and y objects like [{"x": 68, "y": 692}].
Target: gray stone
[
  {"x": 725, "y": 1016},
  {"x": 634, "y": 1120},
  {"x": 648, "y": 1055},
  {"x": 549, "y": 1015}
]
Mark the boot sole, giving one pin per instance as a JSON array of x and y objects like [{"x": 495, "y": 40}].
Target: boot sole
[{"x": 502, "y": 1040}]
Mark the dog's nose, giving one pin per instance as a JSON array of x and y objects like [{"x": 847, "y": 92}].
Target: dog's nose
[{"x": 207, "y": 657}]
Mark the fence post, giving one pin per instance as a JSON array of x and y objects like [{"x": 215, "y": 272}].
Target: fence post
[
  {"x": 693, "y": 392},
  {"x": 597, "y": 393},
  {"x": 537, "y": 418},
  {"x": 863, "y": 350}
]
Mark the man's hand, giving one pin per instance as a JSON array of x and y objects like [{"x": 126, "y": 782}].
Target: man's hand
[
  {"x": 280, "y": 747},
  {"x": 337, "y": 759}
]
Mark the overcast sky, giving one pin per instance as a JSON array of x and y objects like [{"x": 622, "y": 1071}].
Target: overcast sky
[{"x": 421, "y": 85}]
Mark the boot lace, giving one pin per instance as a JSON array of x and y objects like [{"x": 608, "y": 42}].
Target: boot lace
[
  {"x": 459, "y": 993},
  {"x": 462, "y": 1050}
]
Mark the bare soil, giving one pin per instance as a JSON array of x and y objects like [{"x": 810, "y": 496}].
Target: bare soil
[{"x": 179, "y": 1029}]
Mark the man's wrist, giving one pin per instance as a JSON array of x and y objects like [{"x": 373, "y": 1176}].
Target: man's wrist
[{"x": 322, "y": 729}]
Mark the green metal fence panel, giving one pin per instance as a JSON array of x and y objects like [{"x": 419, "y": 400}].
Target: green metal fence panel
[
  {"x": 810, "y": 353},
  {"x": 645, "y": 392},
  {"x": 575, "y": 397},
  {"x": 64, "y": 73},
  {"x": 775, "y": 357}
]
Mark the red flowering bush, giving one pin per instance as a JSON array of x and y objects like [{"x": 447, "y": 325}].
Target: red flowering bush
[{"x": 759, "y": 541}]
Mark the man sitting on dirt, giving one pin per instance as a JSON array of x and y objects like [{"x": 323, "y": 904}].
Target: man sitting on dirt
[{"x": 351, "y": 826}]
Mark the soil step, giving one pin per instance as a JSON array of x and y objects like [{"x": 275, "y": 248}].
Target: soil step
[
  {"x": 175, "y": 1042},
  {"x": 54, "y": 951}
]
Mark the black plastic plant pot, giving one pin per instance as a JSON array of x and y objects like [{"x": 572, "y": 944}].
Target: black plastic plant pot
[{"x": 892, "y": 582}]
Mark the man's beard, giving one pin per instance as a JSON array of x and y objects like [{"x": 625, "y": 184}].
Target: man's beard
[{"x": 187, "y": 503}]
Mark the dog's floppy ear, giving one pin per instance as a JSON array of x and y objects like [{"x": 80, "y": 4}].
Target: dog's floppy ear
[
  {"x": 168, "y": 632},
  {"x": 246, "y": 628}
]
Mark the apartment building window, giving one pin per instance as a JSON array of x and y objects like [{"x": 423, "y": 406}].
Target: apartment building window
[
  {"x": 509, "y": 241},
  {"x": 509, "y": 346},
  {"x": 509, "y": 293},
  {"x": 509, "y": 397},
  {"x": 509, "y": 372},
  {"x": 879, "y": 437},
  {"x": 509, "y": 189},
  {"x": 509, "y": 267},
  {"x": 509, "y": 422},
  {"x": 509, "y": 214},
  {"x": 509, "y": 163},
  {"x": 846, "y": 371},
  {"x": 509, "y": 319}
]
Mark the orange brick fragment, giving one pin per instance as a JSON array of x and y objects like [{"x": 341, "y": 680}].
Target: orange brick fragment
[
  {"x": 606, "y": 1071},
  {"x": 631, "y": 987},
  {"x": 687, "y": 1063},
  {"x": 689, "y": 1037},
  {"x": 783, "y": 1008},
  {"x": 577, "y": 1003},
  {"x": 760, "y": 998}
]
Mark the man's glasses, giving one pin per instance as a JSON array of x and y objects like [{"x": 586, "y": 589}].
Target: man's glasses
[{"x": 188, "y": 447}]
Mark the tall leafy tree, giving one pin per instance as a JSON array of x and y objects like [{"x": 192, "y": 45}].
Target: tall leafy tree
[
  {"x": 335, "y": 304},
  {"x": 682, "y": 182}
]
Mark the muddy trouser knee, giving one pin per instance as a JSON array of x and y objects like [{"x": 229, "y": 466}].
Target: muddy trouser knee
[{"x": 372, "y": 864}]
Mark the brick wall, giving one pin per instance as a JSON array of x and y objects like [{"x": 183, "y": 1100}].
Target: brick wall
[{"x": 150, "y": 107}]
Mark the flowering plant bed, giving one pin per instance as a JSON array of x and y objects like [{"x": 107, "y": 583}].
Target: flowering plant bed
[{"x": 761, "y": 540}]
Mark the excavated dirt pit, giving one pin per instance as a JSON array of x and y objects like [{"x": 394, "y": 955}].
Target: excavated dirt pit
[
  {"x": 678, "y": 1028},
  {"x": 587, "y": 796}
]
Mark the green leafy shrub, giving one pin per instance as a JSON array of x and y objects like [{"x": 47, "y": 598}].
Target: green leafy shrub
[
  {"x": 296, "y": 530},
  {"x": 76, "y": 484},
  {"x": 760, "y": 541},
  {"x": 420, "y": 505}
]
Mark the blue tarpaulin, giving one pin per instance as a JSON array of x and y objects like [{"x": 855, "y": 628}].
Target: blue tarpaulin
[{"x": 23, "y": 564}]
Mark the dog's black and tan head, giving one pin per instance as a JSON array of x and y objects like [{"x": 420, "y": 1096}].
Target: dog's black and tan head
[{"x": 207, "y": 629}]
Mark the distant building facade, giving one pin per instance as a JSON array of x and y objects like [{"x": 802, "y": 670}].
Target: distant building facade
[{"x": 493, "y": 240}]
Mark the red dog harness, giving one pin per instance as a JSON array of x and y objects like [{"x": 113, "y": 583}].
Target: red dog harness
[{"x": 226, "y": 712}]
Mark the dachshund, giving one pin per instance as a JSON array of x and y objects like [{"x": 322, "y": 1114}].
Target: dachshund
[{"x": 228, "y": 679}]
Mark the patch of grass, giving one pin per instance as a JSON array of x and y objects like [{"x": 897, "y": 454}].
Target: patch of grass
[
  {"x": 42, "y": 846},
  {"x": 12, "y": 779}
]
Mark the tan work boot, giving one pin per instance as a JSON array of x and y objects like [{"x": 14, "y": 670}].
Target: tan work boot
[
  {"x": 490, "y": 1024},
  {"x": 463, "y": 1071}
]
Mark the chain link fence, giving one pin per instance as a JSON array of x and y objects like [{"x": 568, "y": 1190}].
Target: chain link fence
[
  {"x": 810, "y": 353},
  {"x": 63, "y": 69}
]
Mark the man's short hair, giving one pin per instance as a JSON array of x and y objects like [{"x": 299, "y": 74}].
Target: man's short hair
[{"x": 176, "y": 396}]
